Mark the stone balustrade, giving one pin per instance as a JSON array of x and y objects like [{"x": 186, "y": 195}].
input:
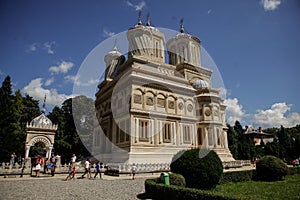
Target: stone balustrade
[
  {"x": 122, "y": 168},
  {"x": 236, "y": 163}
]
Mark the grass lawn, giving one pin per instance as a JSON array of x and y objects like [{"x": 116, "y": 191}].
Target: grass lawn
[{"x": 286, "y": 189}]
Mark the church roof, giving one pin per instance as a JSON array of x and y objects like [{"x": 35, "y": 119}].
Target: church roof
[{"x": 199, "y": 83}]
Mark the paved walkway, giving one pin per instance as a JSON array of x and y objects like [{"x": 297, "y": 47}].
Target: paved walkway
[{"x": 47, "y": 187}]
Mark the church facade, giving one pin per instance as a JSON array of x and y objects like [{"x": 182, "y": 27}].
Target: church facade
[{"x": 148, "y": 110}]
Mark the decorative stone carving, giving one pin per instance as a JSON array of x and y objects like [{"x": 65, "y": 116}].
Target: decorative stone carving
[
  {"x": 137, "y": 99},
  {"x": 190, "y": 108},
  {"x": 180, "y": 106},
  {"x": 149, "y": 101},
  {"x": 161, "y": 102},
  {"x": 207, "y": 112},
  {"x": 166, "y": 71},
  {"x": 171, "y": 105}
]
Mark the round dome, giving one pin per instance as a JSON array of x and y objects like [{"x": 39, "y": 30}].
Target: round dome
[
  {"x": 199, "y": 83},
  {"x": 42, "y": 121}
]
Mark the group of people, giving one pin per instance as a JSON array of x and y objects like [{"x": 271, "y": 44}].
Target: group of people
[
  {"x": 48, "y": 165},
  {"x": 72, "y": 169},
  {"x": 87, "y": 166},
  {"x": 16, "y": 159}
]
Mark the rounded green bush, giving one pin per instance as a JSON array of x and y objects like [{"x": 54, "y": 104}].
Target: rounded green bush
[
  {"x": 270, "y": 168},
  {"x": 177, "y": 179},
  {"x": 201, "y": 168}
]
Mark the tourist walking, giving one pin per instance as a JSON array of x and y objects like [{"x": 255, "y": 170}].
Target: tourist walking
[
  {"x": 13, "y": 158},
  {"x": 69, "y": 173},
  {"x": 87, "y": 169},
  {"x": 133, "y": 170},
  {"x": 47, "y": 166},
  {"x": 98, "y": 170},
  {"x": 53, "y": 164},
  {"x": 73, "y": 159},
  {"x": 73, "y": 173},
  {"x": 38, "y": 166},
  {"x": 20, "y": 160}
]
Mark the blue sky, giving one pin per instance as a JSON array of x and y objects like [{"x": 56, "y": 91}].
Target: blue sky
[{"x": 255, "y": 45}]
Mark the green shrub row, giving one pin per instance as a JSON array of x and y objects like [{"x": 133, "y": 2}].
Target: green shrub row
[
  {"x": 294, "y": 170},
  {"x": 156, "y": 190},
  {"x": 249, "y": 175},
  {"x": 237, "y": 176}
]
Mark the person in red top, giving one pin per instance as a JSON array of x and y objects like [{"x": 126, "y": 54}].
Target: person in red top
[{"x": 39, "y": 163}]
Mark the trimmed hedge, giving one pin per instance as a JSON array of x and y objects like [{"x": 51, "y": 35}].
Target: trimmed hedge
[
  {"x": 294, "y": 170},
  {"x": 249, "y": 175},
  {"x": 200, "y": 171},
  {"x": 271, "y": 168},
  {"x": 156, "y": 190},
  {"x": 237, "y": 176},
  {"x": 177, "y": 179}
]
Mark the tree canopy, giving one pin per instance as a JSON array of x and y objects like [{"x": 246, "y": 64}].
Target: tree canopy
[{"x": 17, "y": 110}]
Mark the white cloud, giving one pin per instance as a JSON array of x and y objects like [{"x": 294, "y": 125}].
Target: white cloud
[
  {"x": 138, "y": 6},
  {"x": 48, "y": 46},
  {"x": 62, "y": 67},
  {"x": 234, "y": 111},
  {"x": 270, "y": 4},
  {"x": 76, "y": 80},
  {"x": 276, "y": 116},
  {"x": 223, "y": 92},
  {"x": 107, "y": 33},
  {"x": 36, "y": 90},
  {"x": 209, "y": 11},
  {"x": 49, "y": 81},
  {"x": 32, "y": 48}
]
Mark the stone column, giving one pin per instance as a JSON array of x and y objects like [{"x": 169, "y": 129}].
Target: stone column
[
  {"x": 50, "y": 151},
  {"x": 136, "y": 130},
  {"x": 215, "y": 137},
  {"x": 159, "y": 131},
  {"x": 181, "y": 134},
  {"x": 174, "y": 132},
  {"x": 193, "y": 134},
  {"x": 152, "y": 131},
  {"x": 155, "y": 132},
  {"x": 206, "y": 137},
  {"x": 225, "y": 140},
  {"x": 27, "y": 148}
]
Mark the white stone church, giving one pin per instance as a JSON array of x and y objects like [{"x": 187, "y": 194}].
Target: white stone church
[{"x": 148, "y": 109}]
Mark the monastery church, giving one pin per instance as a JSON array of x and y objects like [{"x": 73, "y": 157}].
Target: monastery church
[{"x": 148, "y": 110}]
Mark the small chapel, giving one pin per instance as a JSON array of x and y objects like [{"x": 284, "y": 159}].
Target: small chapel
[
  {"x": 40, "y": 130},
  {"x": 157, "y": 101}
]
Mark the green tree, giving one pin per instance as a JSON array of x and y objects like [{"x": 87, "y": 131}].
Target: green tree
[
  {"x": 286, "y": 143},
  {"x": 10, "y": 113},
  {"x": 232, "y": 141},
  {"x": 71, "y": 136},
  {"x": 60, "y": 142},
  {"x": 246, "y": 147}
]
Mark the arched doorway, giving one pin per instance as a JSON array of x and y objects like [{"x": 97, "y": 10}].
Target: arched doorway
[
  {"x": 40, "y": 137},
  {"x": 39, "y": 149}
]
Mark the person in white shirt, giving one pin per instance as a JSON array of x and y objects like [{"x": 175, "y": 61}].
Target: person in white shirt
[
  {"x": 133, "y": 170},
  {"x": 73, "y": 159},
  {"x": 87, "y": 166}
]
